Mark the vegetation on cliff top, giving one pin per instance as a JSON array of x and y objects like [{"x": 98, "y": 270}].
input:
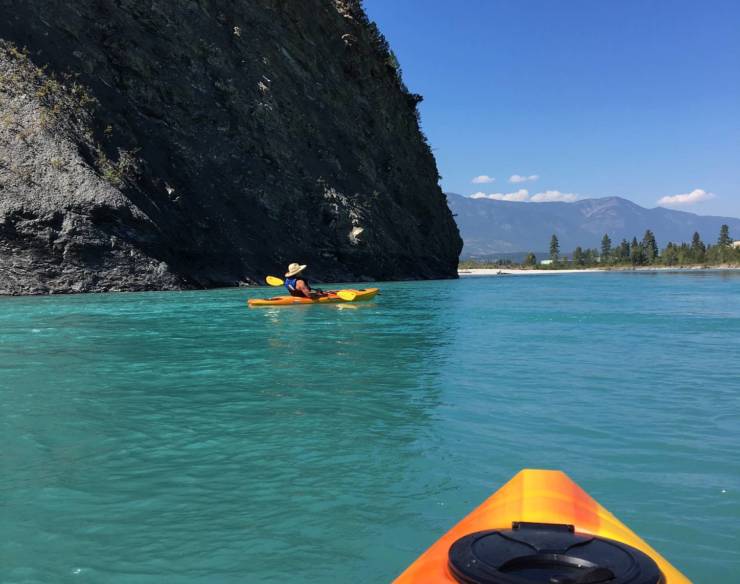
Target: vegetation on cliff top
[{"x": 67, "y": 110}]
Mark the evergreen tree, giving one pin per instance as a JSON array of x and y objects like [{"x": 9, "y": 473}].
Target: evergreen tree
[
  {"x": 647, "y": 252},
  {"x": 650, "y": 247},
  {"x": 637, "y": 254},
  {"x": 684, "y": 254},
  {"x": 578, "y": 258},
  {"x": 713, "y": 254},
  {"x": 623, "y": 252},
  {"x": 606, "y": 248},
  {"x": 698, "y": 249},
  {"x": 554, "y": 248},
  {"x": 723, "y": 251},
  {"x": 670, "y": 255},
  {"x": 724, "y": 236}
]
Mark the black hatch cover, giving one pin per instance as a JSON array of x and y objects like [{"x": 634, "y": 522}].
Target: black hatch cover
[{"x": 551, "y": 553}]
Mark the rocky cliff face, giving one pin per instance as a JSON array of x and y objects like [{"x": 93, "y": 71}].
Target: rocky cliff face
[{"x": 149, "y": 144}]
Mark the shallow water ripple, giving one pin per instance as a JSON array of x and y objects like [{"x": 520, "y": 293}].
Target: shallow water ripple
[{"x": 181, "y": 437}]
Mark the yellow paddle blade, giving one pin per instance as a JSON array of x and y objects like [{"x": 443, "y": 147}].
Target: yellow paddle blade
[
  {"x": 347, "y": 295},
  {"x": 274, "y": 281}
]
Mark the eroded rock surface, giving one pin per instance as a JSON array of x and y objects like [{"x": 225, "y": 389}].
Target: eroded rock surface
[{"x": 162, "y": 145}]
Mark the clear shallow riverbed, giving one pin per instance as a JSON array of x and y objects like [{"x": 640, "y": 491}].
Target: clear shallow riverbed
[{"x": 183, "y": 438}]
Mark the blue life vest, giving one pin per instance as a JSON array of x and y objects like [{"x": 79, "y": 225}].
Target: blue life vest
[{"x": 290, "y": 284}]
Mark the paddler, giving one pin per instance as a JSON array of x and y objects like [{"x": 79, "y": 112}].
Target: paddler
[{"x": 297, "y": 284}]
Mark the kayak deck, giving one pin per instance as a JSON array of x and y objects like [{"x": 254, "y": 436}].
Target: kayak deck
[
  {"x": 332, "y": 298},
  {"x": 538, "y": 496}
]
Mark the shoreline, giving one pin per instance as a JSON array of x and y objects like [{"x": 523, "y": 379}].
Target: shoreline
[{"x": 468, "y": 272}]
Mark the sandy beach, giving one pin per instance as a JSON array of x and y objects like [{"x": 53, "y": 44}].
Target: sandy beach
[{"x": 544, "y": 272}]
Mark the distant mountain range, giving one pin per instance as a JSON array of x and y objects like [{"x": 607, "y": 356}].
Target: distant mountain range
[{"x": 501, "y": 228}]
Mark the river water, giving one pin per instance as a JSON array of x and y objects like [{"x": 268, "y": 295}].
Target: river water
[{"x": 181, "y": 437}]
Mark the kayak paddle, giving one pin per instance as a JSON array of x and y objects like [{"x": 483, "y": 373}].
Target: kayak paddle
[{"x": 347, "y": 295}]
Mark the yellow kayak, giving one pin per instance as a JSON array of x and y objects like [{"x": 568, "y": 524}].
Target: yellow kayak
[
  {"x": 330, "y": 298},
  {"x": 541, "y": 527}
]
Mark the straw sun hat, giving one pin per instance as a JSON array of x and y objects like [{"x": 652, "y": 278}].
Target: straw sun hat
[{"x": 294, "y": 269}]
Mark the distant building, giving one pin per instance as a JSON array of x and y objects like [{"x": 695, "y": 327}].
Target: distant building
[
  {"x": 548, "y": 262},
  {"x": 736, "y": 244}
]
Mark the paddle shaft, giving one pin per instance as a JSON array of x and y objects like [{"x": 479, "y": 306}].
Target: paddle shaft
[{"x": 347, "y": 295}]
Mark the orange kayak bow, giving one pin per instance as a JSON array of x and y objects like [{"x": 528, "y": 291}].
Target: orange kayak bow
[{"x": 541, "y": 527}]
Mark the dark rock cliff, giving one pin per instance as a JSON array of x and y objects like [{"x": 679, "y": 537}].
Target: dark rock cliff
[{"x": 150, "y": 144}]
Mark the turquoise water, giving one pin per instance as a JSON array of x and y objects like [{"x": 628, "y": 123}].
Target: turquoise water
[{"x": 181, "y": 437}]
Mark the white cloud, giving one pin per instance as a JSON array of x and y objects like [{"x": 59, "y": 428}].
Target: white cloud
[
  {"x": 520, "y": 195},
  {"x": 695, "y": 196},
  {"x": 483, "y": 179},
  {"x": 518, "y": 178},
  {"x": 554, "y": 196}
]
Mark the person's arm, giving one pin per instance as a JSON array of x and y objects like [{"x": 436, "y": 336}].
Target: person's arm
[{"x": 303, "y": 288}]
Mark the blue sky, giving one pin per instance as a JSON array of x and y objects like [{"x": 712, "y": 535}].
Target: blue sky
[{"x": 634, "y": 98}]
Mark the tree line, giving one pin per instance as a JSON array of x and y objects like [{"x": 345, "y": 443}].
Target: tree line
[{"x": 646, "y": 252}]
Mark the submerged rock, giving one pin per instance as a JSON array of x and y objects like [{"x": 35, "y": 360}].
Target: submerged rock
[{"x": 164, "y": 145}]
